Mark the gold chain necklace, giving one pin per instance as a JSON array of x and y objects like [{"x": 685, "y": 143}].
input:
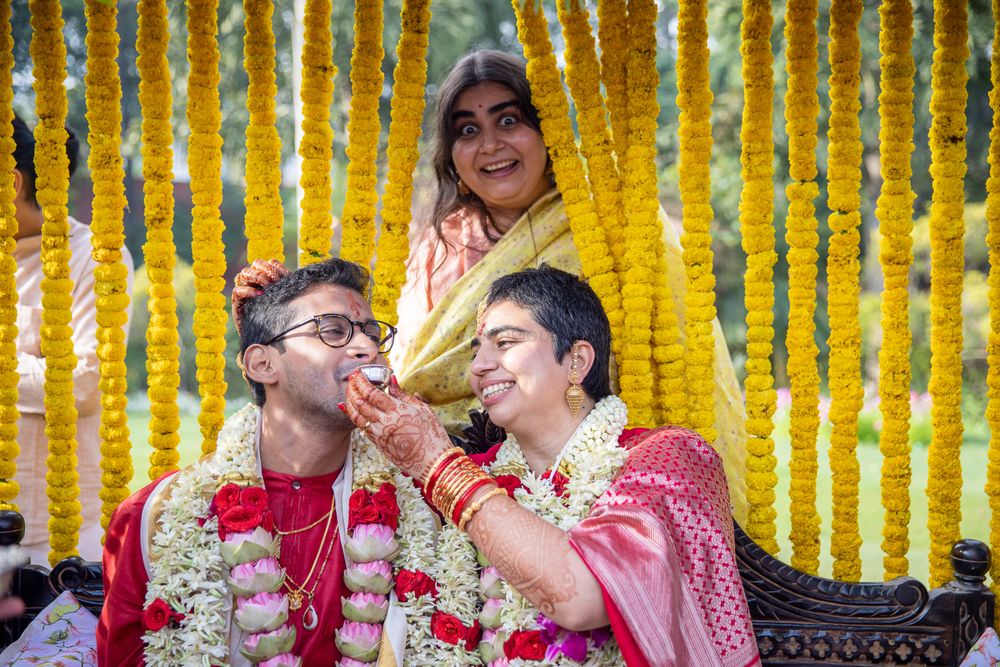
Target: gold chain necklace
[
  {"x": 297, "y": 594},
  {"x": 295, "y": 531}
]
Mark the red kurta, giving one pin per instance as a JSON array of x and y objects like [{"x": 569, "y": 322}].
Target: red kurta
[{"x": 296, "y": 502}]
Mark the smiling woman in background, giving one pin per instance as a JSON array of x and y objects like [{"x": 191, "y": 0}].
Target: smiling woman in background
[{"x": 497, "y": 211}]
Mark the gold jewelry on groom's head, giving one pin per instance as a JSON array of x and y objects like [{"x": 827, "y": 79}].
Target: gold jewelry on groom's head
[{"x": 575, "y": 393}]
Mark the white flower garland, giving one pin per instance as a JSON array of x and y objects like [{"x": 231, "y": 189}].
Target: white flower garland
[
  {"x": 187, "y": 569},
  {"x": 417, "y": 535},
  {"x": 591, "y": 458}
]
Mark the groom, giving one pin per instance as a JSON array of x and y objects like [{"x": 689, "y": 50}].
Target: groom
[{"x": 242, "y": 555}]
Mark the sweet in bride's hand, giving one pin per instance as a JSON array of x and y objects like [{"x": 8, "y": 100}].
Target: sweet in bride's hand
[{"x": 403, "y": 427}]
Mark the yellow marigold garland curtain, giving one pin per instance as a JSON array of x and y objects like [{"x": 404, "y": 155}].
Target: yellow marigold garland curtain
[
  {"x": 108, "y": 238},
  {"x": 801, "y": 112},
  {"x": 993, "y": 343},
  {"x": 9, "y": 449},
  {"x": 207, "y": 249},
  {"x": 553, "y": 109},
  {"x": 843, "y": 268},
  {"x": 756, "y": 225},
  {"x": 316, "y": 145},
  {"x": 894, "y": 211},
  {"x": 265, "y": 215},
  {"x": 48, "y": 55},
  {"x": 947, "y": 139},
  {"x": 406, "y": 113},
  {"x": 649, "y": 386},
  {"x": 583, "y": 77},
  {"x": 162, "y": 350},
  {"x": 694, "y": 99},
  {"x": 612, "y": 32},
  {"x": 363, "y": 127}
]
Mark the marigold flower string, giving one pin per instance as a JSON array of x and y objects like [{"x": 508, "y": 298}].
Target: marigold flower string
[
  {"x": 9, "y": 450},
  {"x": 894, "y": 211},
  {"x": 947, "y": 139},
  {"x": 612, "y": 31},
  {"x": 553, "y": 109},
  {"x": 363, "y": 128},
  {"x": 264, "y": 214},
  {"x": 208, "y": 250},
  {"x": 316, "y": 145},
  {"x": 694, "y": 99},
  {"x": 162, "y": 350},
  {"x": 843, "y": 268},
  {"x": 583, "y": 76},
  {"x": 108, "y": 237},
  {"x": 407, "y": 111},
  {"x": 651, "y": 358},
  {"x": 756, "y": 221},
  {"x": 801, "y": 111},
  {"x": 993, "y": 344},
  {"x": 48, "y": 55}
]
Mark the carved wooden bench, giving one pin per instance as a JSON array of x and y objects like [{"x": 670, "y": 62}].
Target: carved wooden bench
[{"x": 799, "y": 619}]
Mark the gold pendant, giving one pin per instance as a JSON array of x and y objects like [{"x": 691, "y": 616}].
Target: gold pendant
[{"x": 294, "y": 600}]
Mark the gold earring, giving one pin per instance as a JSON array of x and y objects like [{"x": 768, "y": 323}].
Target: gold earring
[
  {"x": 463, "y": 189},
  {"x": 575, "y": 393}
]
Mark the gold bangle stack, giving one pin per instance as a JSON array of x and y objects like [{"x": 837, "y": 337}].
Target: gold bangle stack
[
  {"x": 455, "y": 484},
  {"x": 469, "y": 511}
]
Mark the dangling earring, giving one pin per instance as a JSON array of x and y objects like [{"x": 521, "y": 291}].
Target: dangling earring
[
  {"x": 463, "y": 189},
  {"x": 575, "y": 393}
]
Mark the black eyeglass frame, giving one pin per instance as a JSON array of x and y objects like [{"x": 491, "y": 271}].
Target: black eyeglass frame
[{"x": 390, "y": 336}]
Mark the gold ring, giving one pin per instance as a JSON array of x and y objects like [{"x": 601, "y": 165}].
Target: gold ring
[{"x": 364, "y": 431}]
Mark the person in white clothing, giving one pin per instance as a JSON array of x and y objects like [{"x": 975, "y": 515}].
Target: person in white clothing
[{"x": 31, "y": 463}]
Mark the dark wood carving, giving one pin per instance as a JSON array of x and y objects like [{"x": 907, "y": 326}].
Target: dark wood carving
[
  {"x": 800, "y": 620},
  {"x": 805, "y": 620}
]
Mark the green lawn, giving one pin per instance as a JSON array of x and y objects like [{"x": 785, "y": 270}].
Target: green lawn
[{"x": 975, "y": 509}]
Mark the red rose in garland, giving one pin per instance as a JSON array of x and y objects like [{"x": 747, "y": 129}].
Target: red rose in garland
[
  {"x": 417, "y": 583},
  {"x": 159, "y": 615},
  {"x": 384, "y": 501},
  {"x": 254, "y": 497},
  {"x": 473, "y": 635},
  {"x": 524, "y": 644},
  {"x": 226, "y": 497},
  {"x": 239, "y": 520},
  {"x": 448, "y": 628},
  {"x": 559, "y": 481},
  {"x": 509, "y": 483}
]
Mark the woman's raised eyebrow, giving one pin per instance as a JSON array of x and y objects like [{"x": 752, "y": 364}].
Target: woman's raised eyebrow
[{"x": 463, "y": 113}]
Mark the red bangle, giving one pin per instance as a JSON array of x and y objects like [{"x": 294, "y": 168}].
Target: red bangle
[
  {"x": 436, "y": 474},
  {"x": 456, "y": 513}
]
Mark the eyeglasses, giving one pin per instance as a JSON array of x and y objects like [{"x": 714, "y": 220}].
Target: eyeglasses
[{"x": 337, "y": 331}]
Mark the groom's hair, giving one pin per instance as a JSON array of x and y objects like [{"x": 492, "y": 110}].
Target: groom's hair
[
  {"x": 267, "y": 314},
  {"x": 569, "y": 310}
]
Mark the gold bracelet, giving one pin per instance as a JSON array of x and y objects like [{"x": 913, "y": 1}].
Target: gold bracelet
[
  {"x": 440, "y": 459},
  {"x": 478, "y": 505},
  {"x": 458, "y": 479},
  {"x": 455, "y": 492}
]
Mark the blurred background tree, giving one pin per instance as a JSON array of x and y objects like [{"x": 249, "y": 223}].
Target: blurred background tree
[{"x": 457, "y": 28}]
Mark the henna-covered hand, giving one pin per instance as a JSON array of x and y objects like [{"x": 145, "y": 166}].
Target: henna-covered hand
[
  {"x": 402, "y": 426},
  {"x": 541, "y": 573}
]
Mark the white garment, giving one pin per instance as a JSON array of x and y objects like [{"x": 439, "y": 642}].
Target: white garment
[{"x": 31, "y": 463}]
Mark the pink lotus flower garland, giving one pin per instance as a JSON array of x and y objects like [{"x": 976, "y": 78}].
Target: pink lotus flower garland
[
  {"x": 373, "y": 519},
  {"x": 246, "y": 528}
]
